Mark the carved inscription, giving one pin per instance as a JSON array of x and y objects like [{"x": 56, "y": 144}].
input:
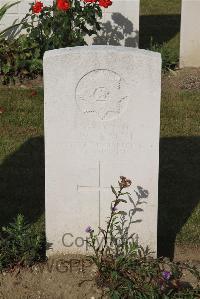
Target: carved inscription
[{"x": 101, "y": 95}]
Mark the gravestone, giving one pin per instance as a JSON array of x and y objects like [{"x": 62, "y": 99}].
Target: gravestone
[
  {"x": 190, "y": 34},
  {"x": 120, "y": 25},
  {"x": 102, "y": 111}
]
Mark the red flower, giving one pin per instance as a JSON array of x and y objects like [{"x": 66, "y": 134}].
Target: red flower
[
  {"x": 105, "y": 3},
  {"x": 33, "y": 93},
  {"x": 63, "y": 5},
  {"x": 1, "y": 110},
  {"x": 37, "y": 7}
]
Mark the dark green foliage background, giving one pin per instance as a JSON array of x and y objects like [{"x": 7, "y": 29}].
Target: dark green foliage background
[{"x": 51, "y": 29}]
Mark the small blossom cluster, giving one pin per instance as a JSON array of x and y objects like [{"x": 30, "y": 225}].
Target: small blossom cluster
[
  {"x": 124, "y": 182},
  {"x": 164, "y": 281},
  {"x": 89, "y": 229},
  {"x": 166, "y": 275},
  {"x": 37, "y": 7},
  {"x": 64, "y": 5},
  {"x": 102, "y": 3}
]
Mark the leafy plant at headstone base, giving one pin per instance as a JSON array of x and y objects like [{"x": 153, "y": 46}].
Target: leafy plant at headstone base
[
  {"x": 64, "y": 24},
  {"x": 3, "y": 10},
  {"x": 20, "y": 244},
  {"x": 19, "y": 60},
  {"x": 126, "y": 268},
  {"x": 170, "y": 57}
]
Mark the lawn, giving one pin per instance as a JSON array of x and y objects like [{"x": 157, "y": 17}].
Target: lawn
[
  {"x": 179, "y": 189},
  {"x": 21, "y": 154},
  {"x": 160, "y": 25},
  {"x": 22, "y": 162}
]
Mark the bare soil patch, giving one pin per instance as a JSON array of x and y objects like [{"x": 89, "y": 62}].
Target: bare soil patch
[
  {"x": 69, "y": 277},
  {"x": 61, "y": 277},
  {"x": 183, "y": 79}
]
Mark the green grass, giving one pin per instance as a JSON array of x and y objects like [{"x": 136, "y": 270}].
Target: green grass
[
  {"x": 179, "y": 188},
  {"x": 160, "y": 24},
  {"x": 22, "y": 163},
  {"x": 160, "y": 7},
  {"x": 22, "y": 117},
  {"x": 179, "y": 191},
  {"x": 21, "y": 155},
  {"x": 180, "y": 114}
]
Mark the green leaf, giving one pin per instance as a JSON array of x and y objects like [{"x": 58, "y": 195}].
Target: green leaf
[
  {"x": 113, "y": 190},
  {"x": 122, "y": 200},
  {"x": 5, "y": 7},
  {"x": 115, "y": 295},
  {"x": 122, "y": 213}
]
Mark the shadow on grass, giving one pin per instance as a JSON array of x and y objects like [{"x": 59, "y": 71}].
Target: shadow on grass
[
  {"x": 22, "y": 182},
  {"x": 179, "y": 188},
  {"x": 22, "y": 185},
  {"x": 159, "y": 28}
]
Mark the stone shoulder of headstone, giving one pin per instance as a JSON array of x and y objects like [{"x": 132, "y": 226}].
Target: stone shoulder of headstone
[{"x": 102, "y": 48}]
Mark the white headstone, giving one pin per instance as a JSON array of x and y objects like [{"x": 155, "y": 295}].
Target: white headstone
[
  {"x": 190, "y": 34},
  {"x": 120, "y": 25},
  {"x": 102, "y": 112}
]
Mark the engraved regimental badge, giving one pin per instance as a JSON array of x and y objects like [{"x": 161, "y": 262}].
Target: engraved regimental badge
[{"x": 101, "y": 95}]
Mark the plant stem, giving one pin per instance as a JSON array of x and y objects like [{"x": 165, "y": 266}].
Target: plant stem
[{"x": 110, "y": 220}]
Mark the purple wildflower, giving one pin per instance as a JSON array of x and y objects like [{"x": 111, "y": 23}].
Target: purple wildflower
[
  {"x": 88, "y": 229},
  {"x": 114, "y": 209},
  {"x": 166, "y": 275}
]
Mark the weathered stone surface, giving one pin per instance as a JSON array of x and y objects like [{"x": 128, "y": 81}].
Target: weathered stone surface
[{"x": 102, "y": 111}]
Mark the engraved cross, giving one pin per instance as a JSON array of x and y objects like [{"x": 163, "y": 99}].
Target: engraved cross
[{"x": 98, "y": 188}]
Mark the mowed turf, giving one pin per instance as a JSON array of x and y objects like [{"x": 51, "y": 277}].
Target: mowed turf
[
  {"x": 160, "y": 24},
  {"x": 179, "y": 174},
  {"x": 21, "y": 154},
  {"x": 160, "y": 7},
  {"x": 22, "y": 162}
]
